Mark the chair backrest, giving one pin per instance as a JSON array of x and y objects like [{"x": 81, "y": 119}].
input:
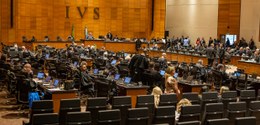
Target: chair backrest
[
  {"x": 189, "y": 123},
  {"x": 94, "y": 105},
  {"x": 192, "y": 96},
  {"x": 229, "y": 94},
  {"x": 45, "y": 119},
  {"x": 168, "y": 100},
  {"x": 98, "y": 102},
  {"x": 255, "y": 105},
  {"x": 190, "y": 109},
  {"x": 145, "y": 99},
  {"x": 138, "y": 116},
  {"x": 121, "y": 101},
  {"x": 214, "y": 107},
  {"x": 76, "y": 118},
  {"x": 165, "y": 111},
  {"x": 68, "y": 105},
  {"x": 190, "y": 113},
  {"x": 245, "y": 120},
  {"x": 237, "y": 106},
  {"x": 109, "y": 117},
  {"x": 247, "y": 94},
  {"x": 164, "y": 114},
  {"x": 223, "y": 121},
  {"x": 210, "y": 96},
  {"x": 42, "y": 106}
]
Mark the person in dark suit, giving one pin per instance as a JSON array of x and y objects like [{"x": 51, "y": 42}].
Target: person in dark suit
[
  {"x": 109, "y": 35},
  {"x": 221, "y": 53},
  {"x": 138, "y": 44},
  {"x": 211, "y": 54}
]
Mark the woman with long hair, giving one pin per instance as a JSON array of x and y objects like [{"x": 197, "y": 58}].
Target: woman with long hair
[{"x": 171, "y": 84}]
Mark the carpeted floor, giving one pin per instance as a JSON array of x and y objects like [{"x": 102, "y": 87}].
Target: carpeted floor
[{"x": 9, "y": 111}]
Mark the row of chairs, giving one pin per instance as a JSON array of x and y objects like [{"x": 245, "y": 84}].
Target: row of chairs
[
  {"x": 137, "y": 116},
  {"x": 224, "y": 121}
]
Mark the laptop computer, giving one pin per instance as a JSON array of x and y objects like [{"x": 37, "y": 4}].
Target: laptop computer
[
  {"x": 162, "y": 72},
  {"x": 48, "y": 79},
  {"x": 113, "y": 62},
  {"x": 175, "y": 75},
  {"x": 75, "y": 64},
  {"x": 117, "y": 76},
  {"x": 95, "y": 72},
  {"x": 127, "y": 80},
  {"x": 237, "y": 74},
  {"x": 56, "y": 83},
  {"x": 47, "y": 56},
  {"x": 40, "y": 75}
]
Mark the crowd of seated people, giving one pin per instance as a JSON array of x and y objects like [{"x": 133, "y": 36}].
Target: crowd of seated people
[
  {"x": 139, "y": 66},
  {"x": 213, "y": 49}
]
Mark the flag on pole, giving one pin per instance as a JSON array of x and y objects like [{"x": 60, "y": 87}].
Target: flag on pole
[{"x": 86, "y": 32}]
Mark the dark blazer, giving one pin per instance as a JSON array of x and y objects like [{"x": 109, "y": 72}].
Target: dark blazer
[{"x": 210, "y": 53}]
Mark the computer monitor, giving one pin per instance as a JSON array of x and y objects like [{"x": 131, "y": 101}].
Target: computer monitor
[
  {"x": 127, "y": 80},
  {"x": 162, "y": 72},
  {"x": 47, "y": 56},
  {"x": 237, "y": 74},
  {"x": 48, "y": 79},
  {"x": 175, "y": 75},
  {"x": 40, "y": 75},
  {"x": 95, "y": 71},
  {"x": 56, "y": 83},
  {"x": 117, "y": 76},
  {"x": 113, "y": 62}
]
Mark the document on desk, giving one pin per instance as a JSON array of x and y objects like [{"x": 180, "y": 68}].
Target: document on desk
[{"x": 54, "y": 89}]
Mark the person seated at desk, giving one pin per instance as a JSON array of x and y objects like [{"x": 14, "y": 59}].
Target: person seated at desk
[
  {"x": 24, "y": 39},
  {"x": 163, "y": 61},
  {"x": 59, "y": 38},
  {"x": 25, "y": 53},
  {"x": 46, "y": 39},
  {"x": 240, "y": 52},
  {"x": 90, "y": 36},
  {"x": 70, "y": 38},
  {"x": 171, "y": 84},
  {"x": 256, "y": 55},
  {"x": 248, "y": 52},
  {"x": 109, "y": 35},
  {"x": 28, "y": 86},
  {"x": 87, "y": 84},
  {"x": 33, "y": 39}
]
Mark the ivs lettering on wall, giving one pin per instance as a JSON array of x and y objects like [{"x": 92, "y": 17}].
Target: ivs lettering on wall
[{"x": 83, "y": 11}]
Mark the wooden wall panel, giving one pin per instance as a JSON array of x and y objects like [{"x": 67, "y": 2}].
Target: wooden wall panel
[
  {"x": 125, "y": 18},
  {"x": 229, "y": 16}
]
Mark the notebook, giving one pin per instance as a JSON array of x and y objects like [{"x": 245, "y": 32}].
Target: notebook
[
  {"x": 40, "y": 75},
  {"x": 162, "y": 72},
  {"x": 127, "y": 80}
]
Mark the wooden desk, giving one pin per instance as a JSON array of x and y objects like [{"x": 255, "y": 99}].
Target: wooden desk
[
  {"x": 57, "y": 95},
  {"x": 62, "y": 44},
  {"x": 63, "y": 94},
  {"x": 249, "y": 67},
  {"x": 186, "y": 87},
  {"x": 132, "y": 91}
]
